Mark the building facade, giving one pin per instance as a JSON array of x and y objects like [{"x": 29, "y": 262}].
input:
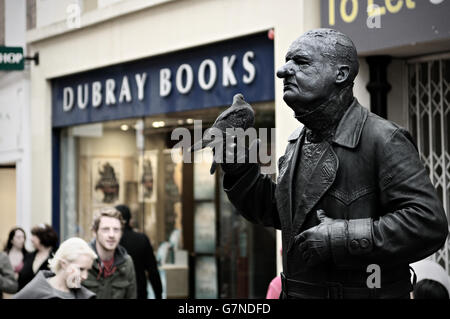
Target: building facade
[
  {"x": 15, "y": 142},
  {"x": 116, "y": 78}
]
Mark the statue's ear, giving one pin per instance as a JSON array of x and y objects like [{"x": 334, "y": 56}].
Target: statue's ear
[{"x": 342, "y": 73}]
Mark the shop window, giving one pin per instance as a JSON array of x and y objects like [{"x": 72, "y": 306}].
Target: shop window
[{"x": 205, "y": 249}]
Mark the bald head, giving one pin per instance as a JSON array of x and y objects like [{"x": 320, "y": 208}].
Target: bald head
[{"x": 337, "y": 47}]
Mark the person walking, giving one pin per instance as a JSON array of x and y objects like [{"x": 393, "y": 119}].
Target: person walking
[
  {"x": 141, "y": 251},
  {"x": 432, "y": 280},
  {"x": 15, "y": 249},
  {"x": 112, "y": 275},
  {"x": 8, "y": 282},
  {"x": 68, "y": 268},
  {"x": 45, "y": 242}
]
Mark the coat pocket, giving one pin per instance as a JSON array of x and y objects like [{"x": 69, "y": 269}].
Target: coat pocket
[{"x": 119, "y": 289}]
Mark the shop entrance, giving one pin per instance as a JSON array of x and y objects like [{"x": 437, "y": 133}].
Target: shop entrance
[
  {"x": 8, "y": 200},
  {"x": 204, "y": 247}
]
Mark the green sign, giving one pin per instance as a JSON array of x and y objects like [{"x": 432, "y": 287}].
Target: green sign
[{"x": 11, "y": 58}]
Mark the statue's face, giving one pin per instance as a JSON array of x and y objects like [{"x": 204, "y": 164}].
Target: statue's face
[{"x": 308, "y": 75}]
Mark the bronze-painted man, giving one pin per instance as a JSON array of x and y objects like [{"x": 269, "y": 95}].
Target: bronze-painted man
[{"x": 351, "y": 190}]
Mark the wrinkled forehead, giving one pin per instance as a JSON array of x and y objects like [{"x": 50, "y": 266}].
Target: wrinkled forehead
[{"x": 308, "y": 46}]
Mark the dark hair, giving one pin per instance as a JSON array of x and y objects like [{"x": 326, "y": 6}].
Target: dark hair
[
  {"x": 430, "y": 289},
  {"x": 8, "y": 245},
  {"x": 125, "y": 211},
  {"x": 46, "y": 234}
]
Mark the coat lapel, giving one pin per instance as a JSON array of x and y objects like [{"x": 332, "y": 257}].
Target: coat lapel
[
  {"x": 284, "y": 182},
  {"x": 321, "y": 179},
  {"x": 292, "y": 168}
]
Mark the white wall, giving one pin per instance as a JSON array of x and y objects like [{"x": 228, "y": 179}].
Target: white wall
[
  {"x": 52, "y": 11},
  {"x": 361, "y": 81},
  {"x": 15, "y": 23},
  {"x": 15, "y": 127},
  {"x": 106, "y": 3},
  {"x": 10, "y": 112}
]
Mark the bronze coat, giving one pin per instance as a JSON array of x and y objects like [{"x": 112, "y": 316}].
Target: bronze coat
[{"x": 371, "y": 175}]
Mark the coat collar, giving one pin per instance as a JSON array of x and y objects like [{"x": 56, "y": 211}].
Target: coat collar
[
  {"x": 119, "y": 254},
  {"x": 349, "y": 128},
  {"x": 351, "y": 125}
]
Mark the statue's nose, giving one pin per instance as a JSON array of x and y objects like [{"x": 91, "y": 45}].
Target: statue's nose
[{"x": 284, "y": 71}]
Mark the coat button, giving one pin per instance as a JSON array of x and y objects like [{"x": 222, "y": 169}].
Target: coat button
[
  {"x": 354, "y": 244},
  {"x": 364, "y": 243}
]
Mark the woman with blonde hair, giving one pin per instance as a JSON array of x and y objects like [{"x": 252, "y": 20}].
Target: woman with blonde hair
[{"x": 68, "y": 268}]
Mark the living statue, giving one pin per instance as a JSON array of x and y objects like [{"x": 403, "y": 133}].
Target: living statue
[{"x": 352, "y": 198}]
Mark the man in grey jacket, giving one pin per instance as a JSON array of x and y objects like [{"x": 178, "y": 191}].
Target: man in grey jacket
[
  {"x": 352, "y": 197},
  {"x": 112, "y": 275},
  {"x": 8, "y": 282}
]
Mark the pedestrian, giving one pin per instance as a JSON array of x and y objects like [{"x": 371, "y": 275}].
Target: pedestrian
[
  {"x": 351, "y": 190},
  {"x": 68, "y": 268},
  {"x": 433, "y": 281},
  {"x": 45, "y": 242},
  {"x": 141, "y": 251},
  {"x": 274, "y": 289},
  {"x": 15, "y": 248},
  {"x": 8, "y": 282},
  {"x": 112, "y": 275}
]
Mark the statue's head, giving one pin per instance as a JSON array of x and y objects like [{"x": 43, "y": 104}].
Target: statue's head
[{"x": 319, "y": 64}]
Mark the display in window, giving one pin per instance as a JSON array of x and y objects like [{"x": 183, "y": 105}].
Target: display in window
[
  {"x": 148, "y": 166},
  {"x": 107, "y": 179},
  {"x": 205, "y": 227},
  {"x": 206, "y": 278},
  {"x": 204, "y": 182},
  {"x": 173, "y": 182}
]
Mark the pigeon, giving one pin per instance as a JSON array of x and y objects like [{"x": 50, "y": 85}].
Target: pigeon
[{"x": 239, "y": 115}]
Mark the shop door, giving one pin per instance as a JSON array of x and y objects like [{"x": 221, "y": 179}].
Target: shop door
[{"x": 8, "y": 200}]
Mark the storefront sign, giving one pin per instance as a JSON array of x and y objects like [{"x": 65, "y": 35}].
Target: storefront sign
[
  {"x": 203, "y": 77},
  {"x": 11, "y": 58},
  {"x": 380, "y": 24}
]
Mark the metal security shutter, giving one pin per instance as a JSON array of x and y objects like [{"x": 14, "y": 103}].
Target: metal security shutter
[{"x": 429, "y": 123}]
